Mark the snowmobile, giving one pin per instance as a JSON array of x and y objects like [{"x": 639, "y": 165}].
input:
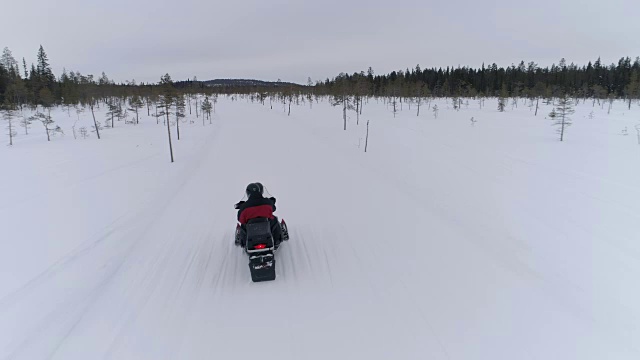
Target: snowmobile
[
  {"x": 258, "y": 243},
  {"x": 256, "y": 237}
]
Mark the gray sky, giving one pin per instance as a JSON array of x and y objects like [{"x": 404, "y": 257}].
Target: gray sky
[{"x": 294, "y": 40}]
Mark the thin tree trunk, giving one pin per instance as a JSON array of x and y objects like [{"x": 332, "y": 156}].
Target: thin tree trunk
[
  {"x": 10, "y": 131},
  {"x": 366, "y": 140},
  {"x": 344, "y": 111},
  {"x": 47, "y": 126},
  {"x": 95, "y": 123},
  {"x": 137, "y": 120},
  {"x": 178, "y": 124},
  {"x": 536, "y": 114},
  {"x": 169, "y": 132}
]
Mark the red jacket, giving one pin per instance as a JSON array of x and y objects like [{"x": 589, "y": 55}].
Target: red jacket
[{"x": 256, "y": 207}]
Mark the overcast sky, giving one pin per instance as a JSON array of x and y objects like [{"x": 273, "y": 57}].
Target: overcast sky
[{"x": 294, "y": 40}]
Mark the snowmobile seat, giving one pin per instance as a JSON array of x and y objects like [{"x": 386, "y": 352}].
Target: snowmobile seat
[{"x": 259, "y": 235}]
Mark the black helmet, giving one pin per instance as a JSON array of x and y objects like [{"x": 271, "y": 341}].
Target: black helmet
[{"x": 254, "y": 189}]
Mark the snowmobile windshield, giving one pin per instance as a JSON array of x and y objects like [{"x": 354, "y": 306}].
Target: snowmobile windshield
[{"x": 265, "y": 193}]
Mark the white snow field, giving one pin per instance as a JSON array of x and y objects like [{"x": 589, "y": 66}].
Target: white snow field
[{"x": 446, "y": 240}]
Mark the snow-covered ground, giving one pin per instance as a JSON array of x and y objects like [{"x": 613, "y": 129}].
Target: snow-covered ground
[{"x": 446, "y": 240}]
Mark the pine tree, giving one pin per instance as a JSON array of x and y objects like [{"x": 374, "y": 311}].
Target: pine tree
[
  {"x": 206, "y": 109},
  {"x": 112, "y": 112},
  {"x": 560, "y": 114},
  {"x": 180, "y": 112},
  {"x": 8, "y": 112},
  {"x": 165, "y": 103},
  {"x": 136, "y": 104},
  {"x": 48, "y": 123}
]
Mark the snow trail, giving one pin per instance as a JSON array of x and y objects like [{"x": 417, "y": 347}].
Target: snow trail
[{"x": 436, "y": 255}]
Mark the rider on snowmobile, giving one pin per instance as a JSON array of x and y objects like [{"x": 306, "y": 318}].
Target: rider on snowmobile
[{"x": 257, "y": 206}]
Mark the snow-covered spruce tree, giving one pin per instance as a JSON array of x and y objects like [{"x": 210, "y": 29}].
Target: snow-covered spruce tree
[
  {"x": 560, "y": 114},
  {"x": 136, "y": 104}
]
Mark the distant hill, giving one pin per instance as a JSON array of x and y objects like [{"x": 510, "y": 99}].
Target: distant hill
[{"x": 245, "y": 82}]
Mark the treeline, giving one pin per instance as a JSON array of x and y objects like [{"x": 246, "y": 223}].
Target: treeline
[
  {"x": 36, "y": 84},
  {"x": 525, "y": 80}
]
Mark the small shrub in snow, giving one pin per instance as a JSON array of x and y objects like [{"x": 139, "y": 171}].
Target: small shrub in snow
[
  {"x": 25, "y": 122},
  {"x": 84, "y": 132}
]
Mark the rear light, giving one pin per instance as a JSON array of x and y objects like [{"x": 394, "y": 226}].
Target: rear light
[{"x": 260, "y": 246}]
